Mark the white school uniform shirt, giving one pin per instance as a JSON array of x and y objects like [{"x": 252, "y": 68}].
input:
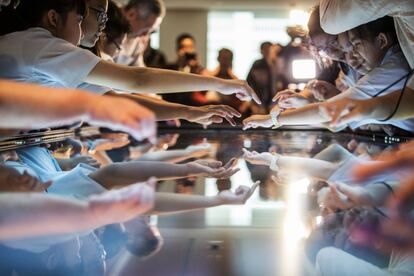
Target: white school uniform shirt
[
  {"x": 392, "y": 68},
  {"x": 338, "y": 16},
  {"x": 36, "y": 56}
]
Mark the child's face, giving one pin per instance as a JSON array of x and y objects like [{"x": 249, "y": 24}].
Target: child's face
[
  {"x": 367, "y": 53},
  {"x": 94, "y": 23},
  {"x": 347, "y": 48},
  {"x": 70, "y": 30}
]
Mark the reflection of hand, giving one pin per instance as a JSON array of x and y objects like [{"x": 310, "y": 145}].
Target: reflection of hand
[
  {"x": 241, "y": 89},
  {"x": 210, "y": 114},
  {"x": 108, "y": 144},
  {"x": 123, "y": 204},
  {"x": 214, "y": 169},
  {"x": 14, "y": 182},
  {"x": 240, "y": 196},
  {"x": 256, "y": 121},
  {"x": 402, "y": 157},
  {"x": 168, "y": 140},
  {"x": 283, "y": 94},
  {"x": 343, "y": 196},
  {"x": 345, "y": 111},
  {"x": 84, "y": 160},
  {"x": 255, "y": 158},
  {"x": 124, "y": 115}
]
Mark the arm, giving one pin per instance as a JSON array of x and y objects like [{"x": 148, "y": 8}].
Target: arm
[
  {"x": 313, "y": 167},
  {"x": 150, "y": 80},
  {"x": 29, "y": 106},
  {"x": 126, "y": 173},
  {"x": 169, "y": 111},
  {"x": 172, "y": 203},
  {"x": 48, "y": 215},
  {"x": 338, "y": 16}
]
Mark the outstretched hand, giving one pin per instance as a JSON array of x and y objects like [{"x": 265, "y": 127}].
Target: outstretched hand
[
  {"x": 240, "y": 196},
  {"x": 214, "y": 169}
]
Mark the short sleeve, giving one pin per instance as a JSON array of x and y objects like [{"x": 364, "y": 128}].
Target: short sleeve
[
  {"x": 65, "y": 63},
  {"x": 94, "y": 88}
]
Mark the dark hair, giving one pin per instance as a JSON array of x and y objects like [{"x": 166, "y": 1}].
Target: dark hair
[
  {"x": 180, "y": 39},
  {"x": 147, "y": 8},
  {"x": 265, "y": 44},
  {"x": 314, "y": 23},
  {"x": 117, "y": 25},
  {"x": 143, "y": 247},
  {"x": 224, "y": 51},
  {"x": 29, "y": 13},
  {"x": 372, "y": 29}
]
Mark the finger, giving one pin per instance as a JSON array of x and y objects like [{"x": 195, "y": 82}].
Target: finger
[
  {"x": 231, "y": 111},
  {"x": 215, "y": 164},
  {"x": 254, "y": 95},
  {"x": 231, "y": 121}
]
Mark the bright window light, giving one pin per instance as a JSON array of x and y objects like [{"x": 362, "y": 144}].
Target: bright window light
[
  {"x": 298, "y": 17},
  {"x": 304, "y": 69}
]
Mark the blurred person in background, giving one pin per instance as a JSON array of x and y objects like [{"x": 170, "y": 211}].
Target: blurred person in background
[{"x": 264, "y": 76}]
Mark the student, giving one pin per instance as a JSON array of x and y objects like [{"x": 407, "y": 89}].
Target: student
[
  {"x": 384, "y": 66},
  {"x": 29, "y": 106},
  {"x": 54, "y": 27},
  {"x": 115, "y": 30}
]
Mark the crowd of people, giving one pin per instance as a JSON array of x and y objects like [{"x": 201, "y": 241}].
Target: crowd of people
[{"x": 66, "y": 61}]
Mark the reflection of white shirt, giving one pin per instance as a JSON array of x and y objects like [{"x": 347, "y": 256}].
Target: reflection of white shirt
[
  {"x": 393, "y": 67},
  {"x": 338, "y": 16},
  {"x": 36, "y": 56}
]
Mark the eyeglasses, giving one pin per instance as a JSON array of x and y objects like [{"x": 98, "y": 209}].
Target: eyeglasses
[
  {"x": 118, "y": 47},
  {"x": 102, "y": 16}
]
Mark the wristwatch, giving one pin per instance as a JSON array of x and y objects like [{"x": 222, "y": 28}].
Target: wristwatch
[
  {"x": 274, "y": 115},
  {"x": 273, "y": 162}
]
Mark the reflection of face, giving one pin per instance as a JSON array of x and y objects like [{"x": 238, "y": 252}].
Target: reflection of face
[
  {"x": 92, "y": 29},
  {"x": 328, "y": 44},
  {"x": 70, "y": 30},
  {"x": 367, "y": 53}
]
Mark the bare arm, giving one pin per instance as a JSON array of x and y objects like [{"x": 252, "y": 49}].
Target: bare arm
[
  {"x": 150, "y": 80},
  {"x": 24, "y": 215},
  {"x": 172, "y": 203},
  {"x": 126, "y": 173},
  {"x": 29, "y": 106}
]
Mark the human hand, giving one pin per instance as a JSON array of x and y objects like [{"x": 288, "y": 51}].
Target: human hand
[
  {"x": 124, "y": 115},
  {"x": 12, "y": 181},
  {"x": 241, "y": 89},
  {"x": 210, "y": 114},
  {"x": 390, "y": 161},
  {"x": 84, "y": 159},
  {"x": 345, "y": 111},
  {"x": 255, "y": 158},
  {"x": 289, "y": 99},
  {"x": 240, "y": 196},
  {"x": 343, "y": 196},
  {"x": 256, "y": 121},
  {"x": 123, "y": 204},
  {"x": 213, "y": 169},
  {"x": 323, "y": 90}
]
